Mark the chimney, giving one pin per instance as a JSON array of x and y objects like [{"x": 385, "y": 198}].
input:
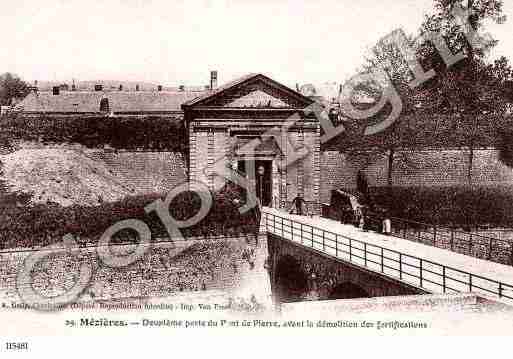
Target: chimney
[
  {"x": 213, "y": 80},
  {"x": 98, "y": 87},
  {"x": 159, "y": 88},
  {"x": 120, "y": 87},
  {"x": 34, "y": 88},
  {"x": 56, "y": 90},
  {"x": 137, "y": 88}
]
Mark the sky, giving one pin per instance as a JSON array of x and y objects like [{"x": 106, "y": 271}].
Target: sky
[{"x": 174, "y": 42}]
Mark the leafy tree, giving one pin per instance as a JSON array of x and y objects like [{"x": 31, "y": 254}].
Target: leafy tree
[
  {"x": 11, "y": 87},
  {"x": 387, "y": 56},
  {"x": 464, "y": 104},
  {"x": 470, "y": 92}
]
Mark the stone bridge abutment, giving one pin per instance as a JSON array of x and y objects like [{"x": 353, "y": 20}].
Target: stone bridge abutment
[{"x": 301, "y": 273}]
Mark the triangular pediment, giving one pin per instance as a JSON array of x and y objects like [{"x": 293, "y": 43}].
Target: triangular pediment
[
  {"x": 251, "y": 91},
  {"x": 258, "y": 99}
]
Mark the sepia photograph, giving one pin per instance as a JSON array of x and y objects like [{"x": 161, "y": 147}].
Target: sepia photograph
[{"x": 201, "y": 168}]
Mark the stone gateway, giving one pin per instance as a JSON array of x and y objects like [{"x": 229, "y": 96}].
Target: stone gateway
[{"x": 222, "y": 122}]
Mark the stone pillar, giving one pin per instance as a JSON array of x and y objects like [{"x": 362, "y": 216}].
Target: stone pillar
[
  {"x": 283, "y": 168},
  {"x": 317, "y": 171},
  {"x": 221, "y": 151},
  {"x": 210, "y": 159},
  {"x": 192, "y": 154},
  {"x": 201, "y": 167},
  {"x": 276, "y": 185},
  {"x": 301, "y": 165},
  {"x": 292, "y": 169}
]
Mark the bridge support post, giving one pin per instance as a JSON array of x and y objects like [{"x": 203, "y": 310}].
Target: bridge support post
[
  {"x": 421, "y": 274},
  {"x": 400, "y": 266},
  {"x": 382, "y": 261},
  {"x": 365, "y": 253},
  {"x": 444, "y": 280},
  {"x": 275, "y": 255}
]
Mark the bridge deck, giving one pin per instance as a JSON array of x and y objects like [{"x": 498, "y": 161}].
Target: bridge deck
[{"x": 433, "y": 269}]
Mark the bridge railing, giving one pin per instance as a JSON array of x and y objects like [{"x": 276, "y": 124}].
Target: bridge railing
[
  {"x": 428, "y": 275},
  {"x": 475, "y": 245}
]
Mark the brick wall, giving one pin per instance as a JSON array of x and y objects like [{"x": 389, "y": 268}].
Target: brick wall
[
  {"x": 144, "y": 172},
  {"x": 160, "y": 171},
  {"x": 200, "y": 157},
  {"x": 165, "y": 269},
  {"x": 148, "y": 172},
  {"x": 421, "y": 168},
  {"x": 220, "y": 150},
  {"x": 208, "y": 147},
  {"x": 293, "y": 170},
  {"x": 303, "y": 176}
]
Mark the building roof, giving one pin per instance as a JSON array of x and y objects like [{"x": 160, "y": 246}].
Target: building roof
[
  {"x": 119, "y": 101},
  {"x": 218, "y": 90},
  {"x": 150, "y": 101},
  {"x": 207, "y": 96}
]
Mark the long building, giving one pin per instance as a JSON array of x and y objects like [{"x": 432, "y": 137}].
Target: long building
[{"x": 219, "y": 123}]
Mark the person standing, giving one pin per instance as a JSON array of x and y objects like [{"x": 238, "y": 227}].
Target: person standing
[
  {"x": 298, "y": 203},
  {"x": 362, "y": 185},
  {"x": 358, "y": 216},
  {"x": 387, "y": 226},
  {"x": 364, "y": 220}
]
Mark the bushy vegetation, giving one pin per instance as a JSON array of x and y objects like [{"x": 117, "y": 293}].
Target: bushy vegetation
[
  {"x": 131, "y": 133},
  {"x": 463, "y": 207},
  {"x": 12, "y": 87},
  {"x": 506, "y": 148},
  {"x": 22, "y": 225}
]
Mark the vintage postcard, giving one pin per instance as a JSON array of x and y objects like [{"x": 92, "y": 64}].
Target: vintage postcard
[{"x": 316, "y": 169}]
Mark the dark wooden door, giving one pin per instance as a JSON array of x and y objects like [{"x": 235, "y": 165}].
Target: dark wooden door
[{"x": 262, "y": 179}]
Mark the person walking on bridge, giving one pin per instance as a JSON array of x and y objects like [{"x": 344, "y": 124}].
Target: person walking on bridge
[{"x": 298, "y": 203}]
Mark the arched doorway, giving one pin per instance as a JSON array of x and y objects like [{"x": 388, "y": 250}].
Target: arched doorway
[
  {"x": 262, "y": 176},
  {"x": 348, "y": 290},
  {"x": 291, "y": 280},
  {"x": 104, "y": 105}
]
